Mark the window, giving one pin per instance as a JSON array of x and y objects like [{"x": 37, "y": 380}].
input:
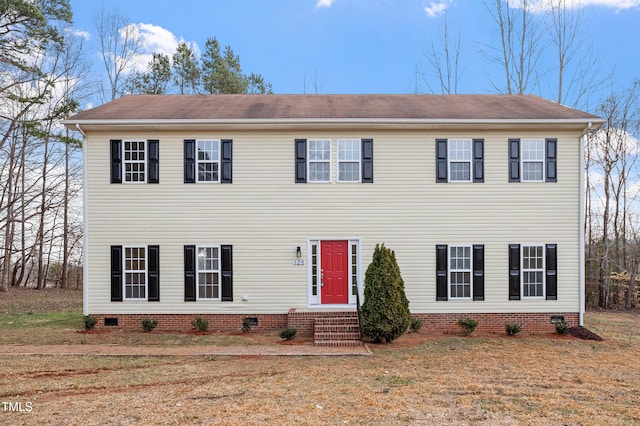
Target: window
[
  {"x": 533, "y": 271},
  {"x": 460, "y": 160},
  {"x": 313, "y": 160},
  {"x": 354, "y": 269},
  {"x": 460, "y": 272},
  {"x": 134, "y": 162},
  {"x": 135, "y": 272},
  {"x": 208, "y": 161},
  {"x": 208, "y": 274},
  {"x": 314, "y": 268},
  {"x": 532, "y": 160},
  {"x": 349, "y": 160},
  {"x": 319, "y": 160}
]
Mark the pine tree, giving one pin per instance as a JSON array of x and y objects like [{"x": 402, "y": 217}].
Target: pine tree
[{"x": 385, "y": 311}]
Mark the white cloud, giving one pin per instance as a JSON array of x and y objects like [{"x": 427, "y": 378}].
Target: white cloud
[
  {"x": 324, "y": 3},
  {"x": 436, "y": 9},
  {"x": 153, "y": 39}
]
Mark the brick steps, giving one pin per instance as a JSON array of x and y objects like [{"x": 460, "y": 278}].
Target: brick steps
[{"x": 337, "y": 331}]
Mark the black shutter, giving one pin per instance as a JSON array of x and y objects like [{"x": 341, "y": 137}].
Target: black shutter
[
  {"x": 551, "y": 272},
  {"x": 116, "y": 273},
  {"x": 441, "y": 160},
  {"x": 301, "y": 160},
  {"x": 189, "y": 273},
  {"x": 514, "y": 160},
  {"x": 227, "y": 273},
  {"x": 514, "y": 271},
  {"x": 116, "y": 161},
  {"x": 478, "y": 272},
  {"x": 551, "y": 153},
  {"x": 153, "y": 273},
  {"x": 153, "y": 160},
  {"x": 367, "y": 160},
  {"x": 189, "y": 161},
  {"x": 478, "y": 160},
  {"x": 227, "y": 157},
  {"x": 441, "y": 272}
]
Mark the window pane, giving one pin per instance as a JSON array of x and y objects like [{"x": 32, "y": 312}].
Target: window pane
[
  {"x": 348, "y": 150},
  {"x": 349, "y": 172},
  {"x": 319, "y": 172},
  {"x": 319, "y": 150},
  {"x": 460, "y": 171},
  {"x": 460, "y": 150}
]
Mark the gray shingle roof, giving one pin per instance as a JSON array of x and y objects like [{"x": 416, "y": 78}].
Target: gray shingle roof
[{"x": 324, "y": 107}]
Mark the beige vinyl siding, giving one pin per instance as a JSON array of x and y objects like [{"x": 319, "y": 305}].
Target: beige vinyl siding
[{"x": 265, "y": 216}]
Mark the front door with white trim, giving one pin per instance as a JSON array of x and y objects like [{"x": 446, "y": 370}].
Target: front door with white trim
[{"x": 334, "y": 272}]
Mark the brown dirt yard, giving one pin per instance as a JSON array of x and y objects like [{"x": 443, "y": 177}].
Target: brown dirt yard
[{"x": 421, "y": 379}]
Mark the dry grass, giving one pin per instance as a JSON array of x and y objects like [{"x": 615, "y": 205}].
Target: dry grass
[{"x": 420, "y": 379}]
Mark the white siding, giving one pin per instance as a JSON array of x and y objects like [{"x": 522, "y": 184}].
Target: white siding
[{"x": 265, "y": 215}]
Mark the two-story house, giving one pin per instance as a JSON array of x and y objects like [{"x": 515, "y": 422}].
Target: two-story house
[{"x": 269, "y": 207}]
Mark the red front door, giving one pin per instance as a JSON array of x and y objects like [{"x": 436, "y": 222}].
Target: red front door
[{"x": 335, "y": 272}]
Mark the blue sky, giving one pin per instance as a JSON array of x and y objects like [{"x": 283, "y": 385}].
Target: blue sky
[{"x": 356, "y": 46}]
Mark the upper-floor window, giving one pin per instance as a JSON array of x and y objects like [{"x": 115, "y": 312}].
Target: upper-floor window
[
  {"x": 135, "y": 161},
  {"x": 208, "y": 161},
  {"x": 459, "y": 160},
  {"x": 533, "y": 160},
  {"x": 313, "y": 160},
  {"x": 349, "y": 160},
  {"x": 319, "y": 160}
]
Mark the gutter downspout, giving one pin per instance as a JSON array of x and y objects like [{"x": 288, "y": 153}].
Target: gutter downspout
[
  {"x": 582, "y": 264},
  {"x": 85, "y": 236}
]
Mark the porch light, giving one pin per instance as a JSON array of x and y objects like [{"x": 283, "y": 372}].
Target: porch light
[{"x": 298, "y": 252}]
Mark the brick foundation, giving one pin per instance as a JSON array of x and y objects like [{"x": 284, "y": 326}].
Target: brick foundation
[
  {"x": 495, "y": 322},
  {"x": 304, "y": 321},
  {"x": 182, "y": 322}
]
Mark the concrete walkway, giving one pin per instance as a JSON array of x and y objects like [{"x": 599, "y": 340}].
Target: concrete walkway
[{"x": 117, "y": 350}]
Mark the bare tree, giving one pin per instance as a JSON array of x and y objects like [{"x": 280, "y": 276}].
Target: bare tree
[
  {"x": 119, "y": 43},
  {"x": 444, "y": 62},
  {"x": 521, "y": 45}
]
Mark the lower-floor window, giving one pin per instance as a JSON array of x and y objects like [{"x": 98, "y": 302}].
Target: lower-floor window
[
  {"x": 533, "y": 271},
  {"x": 208, "y": 274},
  {"x": 460, "y": 272},
  {"x": 135, "y": 272}
]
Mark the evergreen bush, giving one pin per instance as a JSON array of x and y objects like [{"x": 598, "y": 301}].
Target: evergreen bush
[
  {"x": 385, "y": 312},
  {"x": 148, "y": 324},
  {"x": 467, "y": 325},
  {"x": 89, "y": 322},
  {"x": 562, "y": 328},
  {"x": 288, "y": 333},
  {"x": 200, "y": 324},
  {"x": 513, "y": 328}
]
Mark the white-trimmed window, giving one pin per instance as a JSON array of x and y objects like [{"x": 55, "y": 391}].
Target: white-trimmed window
[
  {"x": 460, "y": 272},
  {"x": 208, "y": 160},
  {"x": 533, "y": 271},
  {"x": 459, "y": 160},
  {"x": 349, "y": 160},
  {"x": 134, "y": 161},
  {"x": 532, "y": 160},
  {"x": 208, "y": 273},
  {"x": 319, "y": 160},
  {"x": 135, "y": 273}
]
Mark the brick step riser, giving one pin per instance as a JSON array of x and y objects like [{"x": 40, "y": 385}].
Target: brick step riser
[
  {"x": 338, "y": 328},
  {"x": 333, "y": 321},
  {"x": 339, "y": 343},
  {"x": 337, "y": 336}
]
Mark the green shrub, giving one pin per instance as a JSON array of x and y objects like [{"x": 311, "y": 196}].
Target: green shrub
[
  {"x": 467, "y": 325},
  {"x": 288, "y": 333},
  {"x": 513, "y": 328},
  {"x": 89, "y": 322},
  {"x": 416, "y": 324},
  {"x": 246, "y": 325},
  {"x": 200, "y": 324},
  {"x": 385, "y": 312},
  {"x": 562, "y": 328},
  {"x": 148, "y": 324}
]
